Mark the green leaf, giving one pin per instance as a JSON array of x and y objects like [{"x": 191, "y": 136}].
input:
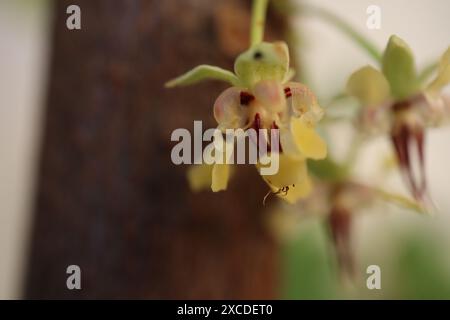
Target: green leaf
[
  {"x": 368, "y": 85},
  {"x": 307, "y": 271},
  {"x": 399, "y": 68},
  {"x": 202, "y": 73}
]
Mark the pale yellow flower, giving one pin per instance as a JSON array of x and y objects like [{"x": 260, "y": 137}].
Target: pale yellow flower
[{"x": 262, "y": 97}]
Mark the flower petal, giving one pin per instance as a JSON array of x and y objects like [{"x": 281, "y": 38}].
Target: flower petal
[
  {"x": 443, "y": 76},
  {"x": 220, "y": 176},
  {"x": 303, "y": 103},
  {"x": 289, "y": 75},
  {"x": 228, "y": 111},
  {"x": 291, "y": 182},
  {"x": 399, "y": 68},
  {"x": 270, "y": 94},
  {"x": 199, "y": 177},
  {"x": 288, "y": 142},
  {"x": 310, "y": 144},
  {"x": 369, "y": 86},
  {"x": 290, "y": 171},
  {"x": 298, "y": 191}
]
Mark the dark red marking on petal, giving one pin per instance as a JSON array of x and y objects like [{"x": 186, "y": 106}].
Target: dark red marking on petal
[
  {"x": 287, "y": 92},
  {"x": 246, "y": 98}
]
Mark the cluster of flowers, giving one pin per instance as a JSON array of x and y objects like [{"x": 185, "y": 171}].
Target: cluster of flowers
[{"x": 394, "y": 101}]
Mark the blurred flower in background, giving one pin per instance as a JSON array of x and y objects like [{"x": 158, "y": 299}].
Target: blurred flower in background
[
  {"x": 397, "y": 100},
  {"x": 386, "y": 228}
]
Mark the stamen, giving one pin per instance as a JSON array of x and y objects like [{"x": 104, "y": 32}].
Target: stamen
[
  {"x": 401, "y": 141},
  {"x": 266, "y": 196},
  {"x": 280, "y": 148},
  {"x": 283, "y": 190},
  {"x": 420, "y": 139},
  {"x": 256, "y": 126},
  {"x": 257, "y": 123}
]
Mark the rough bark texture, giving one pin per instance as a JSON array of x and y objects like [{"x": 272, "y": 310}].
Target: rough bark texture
[{"x": 109, "y": 198}]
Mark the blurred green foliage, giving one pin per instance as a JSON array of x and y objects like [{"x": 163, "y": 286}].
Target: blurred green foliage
[
  {"x": 421, "y": 271},
  {"x": 417, "y": 267},
  {"x": 308, "y": 272}
]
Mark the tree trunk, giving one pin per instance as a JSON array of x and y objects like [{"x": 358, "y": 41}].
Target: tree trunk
[{"x": 109, "y": 198}]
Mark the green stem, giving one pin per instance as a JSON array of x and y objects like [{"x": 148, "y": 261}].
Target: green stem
[
  {"x": 347, "y": 29},
  {"x": 258, "y": 21}
]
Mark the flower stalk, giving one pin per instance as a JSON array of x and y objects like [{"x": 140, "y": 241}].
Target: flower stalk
[{"x": 259, "y": 10}]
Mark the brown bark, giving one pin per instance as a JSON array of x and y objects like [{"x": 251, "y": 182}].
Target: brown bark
[{"x": 109, "y": 198}]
